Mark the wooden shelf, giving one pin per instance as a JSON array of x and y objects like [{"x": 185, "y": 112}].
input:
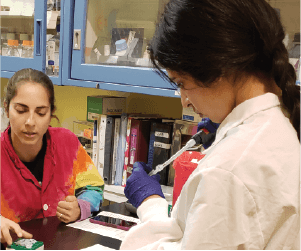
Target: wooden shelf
[
  {"x": 8, "y": 14},
  {"x": 116, "y": 193},
  {"x": 83, "y": 122}
]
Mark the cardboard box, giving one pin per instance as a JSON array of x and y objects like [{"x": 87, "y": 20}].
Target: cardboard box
[
  {"x": 189, "y": 115},
  {"x": 108, "y": 105}
]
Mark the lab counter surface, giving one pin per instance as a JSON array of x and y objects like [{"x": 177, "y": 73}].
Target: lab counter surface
[{"x": 58, "y": 236}]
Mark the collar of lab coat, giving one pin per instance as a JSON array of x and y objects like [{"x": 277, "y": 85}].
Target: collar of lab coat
[{"x": 244, "y": 111}]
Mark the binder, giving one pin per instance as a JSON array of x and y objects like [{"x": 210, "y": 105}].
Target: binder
[
  {"x": 126, "y": 151},
  {"x": 108, "y": 150},
  {"x": 115, "y": 146},
  {"x": 102, "y": 132},
  {"x": 181, "y": 133},
  {"x": 175, "y": 147},
  {"x": 139, "y": 142},
  {"x": 121, "y": 150},
  {"x": 159, "y": 148},
  {"x": 95, "y": 143}
]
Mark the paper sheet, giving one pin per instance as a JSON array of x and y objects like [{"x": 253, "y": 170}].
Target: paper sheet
[
  {"x": 97, "y": 247},
  {"x": 115, "y": 233}
]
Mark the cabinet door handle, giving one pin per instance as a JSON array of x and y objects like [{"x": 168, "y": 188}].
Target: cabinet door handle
[
  {"x": 38, "y": 37},
  {"x": 76, "y": 39}
]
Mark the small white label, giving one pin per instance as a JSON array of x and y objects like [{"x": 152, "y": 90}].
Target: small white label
[
  {"x": 93, "y": 116},
  {"x": 107, "y": 50},
  {"x": 132, "y": 160},
  {"x": 97, "y": 52},
  {"x": 162, "y": 134},
  {"x": 161, "y": 145}
]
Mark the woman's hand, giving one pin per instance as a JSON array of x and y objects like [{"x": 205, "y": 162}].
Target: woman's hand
[
  {"x": 68, "y": 210},
  {"x": 9, "y": 225},
  {"x": 140, "y": 186}
]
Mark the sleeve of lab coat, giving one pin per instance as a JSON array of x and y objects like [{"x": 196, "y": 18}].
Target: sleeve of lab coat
[{"x": 214, "y": 211}]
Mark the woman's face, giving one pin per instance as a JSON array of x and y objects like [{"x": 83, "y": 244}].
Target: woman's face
[
  {"x": 215, "y": 102},
  {"x": 29, "y": 114}
]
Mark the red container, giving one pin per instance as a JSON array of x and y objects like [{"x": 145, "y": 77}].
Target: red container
[{"x": 184, "y": 166}]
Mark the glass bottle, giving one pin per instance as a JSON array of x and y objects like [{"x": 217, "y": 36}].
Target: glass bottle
[
  {"x": 56, "y": 63},
  {"x": 13, "y": 48},
  {"x": 31, "y": 49},
  {"x": 4, "y": 46},
  {"x": 26, "y": 49},
  {"x": 9, "y": 36},
  {"x": 49, "y": 70},
  {"x": 4, "y": 49},
  {"x": 53, "y": 48},
  {"x": 56, "y": 38},
  {"x": 22, "y": 37}
]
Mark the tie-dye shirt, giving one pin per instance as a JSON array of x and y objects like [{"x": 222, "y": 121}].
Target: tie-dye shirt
[{"x": 68, "y": 170}]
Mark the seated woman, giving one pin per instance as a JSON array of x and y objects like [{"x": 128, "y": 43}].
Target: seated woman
[{"x": 45, "y": 171}]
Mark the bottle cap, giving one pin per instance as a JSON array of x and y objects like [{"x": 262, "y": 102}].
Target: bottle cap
[
  {"x": 121, "y": 45},
  {"x": 11, "y": 42},
  {"x": 26, "y": 42}
]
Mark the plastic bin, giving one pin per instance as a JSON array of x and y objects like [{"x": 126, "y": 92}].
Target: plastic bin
[{"x": 184, "y": 166}]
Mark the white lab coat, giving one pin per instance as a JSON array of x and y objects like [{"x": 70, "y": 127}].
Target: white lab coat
[{"x": 244, "y": 194}]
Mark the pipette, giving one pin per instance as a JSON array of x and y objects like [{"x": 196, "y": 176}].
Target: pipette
[{"x": 199, "y": 138}]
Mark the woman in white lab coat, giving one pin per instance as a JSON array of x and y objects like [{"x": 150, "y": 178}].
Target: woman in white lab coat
[{"x": 229, "y": 61}]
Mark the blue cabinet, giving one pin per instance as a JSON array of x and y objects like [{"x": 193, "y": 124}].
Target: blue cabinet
[
  {"x": 23, "y": 24},
  {"x": 105, "y": 46},
  {"x": 88, "y": 43}
]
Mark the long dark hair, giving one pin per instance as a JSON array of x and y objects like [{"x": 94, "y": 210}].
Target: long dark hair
[
  {"x": 29, "y": 75},
  {"x": 208, "y": 39}
]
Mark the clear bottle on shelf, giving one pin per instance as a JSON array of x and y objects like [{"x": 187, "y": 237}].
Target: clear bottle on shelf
[
  {"x": 56, "y": 63},
  {"x": 4, "y": 49},
  {"x": 56, "y": 38},
  {"x": 49, "y": 69},
  {"x": 52, "y": 51},
  {"x": 26, "y": 48},
  {"x": 13, "y": 48},
  {"x": 22, "y": 37},
  {"x": 31, "y": 49},
  {"x": 4, "y": 46}
]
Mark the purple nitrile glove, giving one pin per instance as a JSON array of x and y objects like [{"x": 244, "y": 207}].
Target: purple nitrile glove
[
  {"x": 206, "y": 123},
  {"x": 139, "y": 185}
]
